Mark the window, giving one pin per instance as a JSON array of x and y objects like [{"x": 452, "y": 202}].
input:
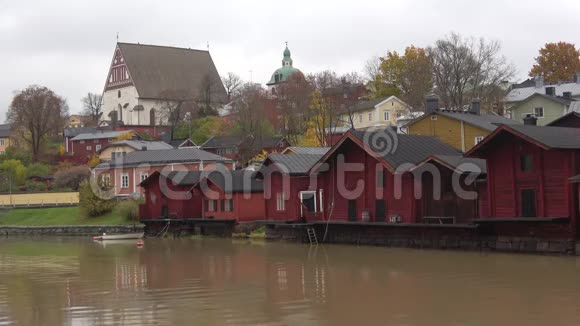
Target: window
[
  {"x": 2, "y": 142},
  {"x": 280, "y": 201},
  {"x": 433, "y": 117},
  {"x": 478, "y": 139},
  {"x": 89, "y": 148},
  {"x": 97, "y": 148},
  {"x": 227, "y": 205},
  {"x": 144, "y": 176},
  {"x": 125, "y": 180},
  {"x": 526, "y": 163},
  {"x": 386, "y": 115},
  {"x": 119, "y": 94},
  {"x": 370, "y": 117},
  {"x": 106, "y": 180},
  {"x": 308, "y": 201},
  {"x": 211, "y": 205},
  {"x": 539, "y": 112},
  {"x": 360, "y": 118}
]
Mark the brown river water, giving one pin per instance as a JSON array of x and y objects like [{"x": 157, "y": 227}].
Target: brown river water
[{"x": 232, "y": 282}]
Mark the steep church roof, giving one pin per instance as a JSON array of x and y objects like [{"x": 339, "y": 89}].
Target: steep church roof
[{"x": 157, "y": 71}]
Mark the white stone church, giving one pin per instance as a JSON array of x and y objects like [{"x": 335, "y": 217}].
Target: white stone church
[{"x": 143, "y": 78}]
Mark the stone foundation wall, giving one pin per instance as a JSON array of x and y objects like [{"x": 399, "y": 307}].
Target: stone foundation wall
[
  {"x": 71, "y": 230},
  {"x": 422, "y": 237}
]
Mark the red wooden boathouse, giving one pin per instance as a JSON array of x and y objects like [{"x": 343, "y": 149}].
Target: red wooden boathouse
[{"x": 528, "y": 172}]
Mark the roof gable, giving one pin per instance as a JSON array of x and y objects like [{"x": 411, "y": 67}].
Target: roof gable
[
  {"x": 163, "y": 72},
  {"x": 296, "y": 164}
]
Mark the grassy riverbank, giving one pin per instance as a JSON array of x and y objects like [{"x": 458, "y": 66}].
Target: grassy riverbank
[{"x": 58, "y": 216}]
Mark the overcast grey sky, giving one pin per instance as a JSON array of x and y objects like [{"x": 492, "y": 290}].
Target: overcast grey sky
[{"x": 67, "y": 45}]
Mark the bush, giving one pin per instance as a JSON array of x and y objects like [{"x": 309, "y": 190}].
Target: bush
[
  {"x": 39, "y": 169},
  {"x": 71, "y": 177},
  {"x": 129, "y": 209},
  {"x": 94, "y": 204},
  {"x": 32, "y": 186}
]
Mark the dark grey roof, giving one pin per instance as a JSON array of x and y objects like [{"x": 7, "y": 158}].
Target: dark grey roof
[
  {"x": 463, "y": 164},
  {"x": 399, "y": 149},
  {"x": 160, "y": 69},
  {"x": 163, "y": 156},
  {"x": 308, "y": 150},
  {"x": 99, "y": 135},
  {"x": 269, "y": 142},
  {"x": 293, "y": 164},
  {"x": 72, "y": 132},
  {"x": 4, "y": 131},
  {"x": 183, "y": 178},
  {"x": 566, "y": 116},
  {"x": 552, "y": 137},
  {"x": 222, "y": 141},
  {"x": 139, "y": 144},
  {"x": 235, "y": 181},
  {"x": 366, "y": 104},
  {"x": 485, "y": 121}
]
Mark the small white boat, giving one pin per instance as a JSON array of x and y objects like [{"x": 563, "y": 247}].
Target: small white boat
[{"x": 127, "y": 236}]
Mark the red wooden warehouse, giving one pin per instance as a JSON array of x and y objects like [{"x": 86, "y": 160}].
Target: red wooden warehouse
[
  {"x": 168, "y": 195},
  {"x": 374, "y": 184},
  {"x": 528, "y": 171}
]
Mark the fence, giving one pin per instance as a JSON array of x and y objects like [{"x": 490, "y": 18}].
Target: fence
[{"x": 47, "y": 199}]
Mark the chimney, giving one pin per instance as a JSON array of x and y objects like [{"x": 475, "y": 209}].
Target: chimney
[
  {"x": 143, "y": 148},
  {"x": 577, "y": 78},
  {"x": 530, "y": 120},
  {"x": 431, "y": 103},
  {"x": 539, "y": 81},
  {"x": 475, "y": 107},
  {"x": 551, "y": 91},
  {"x": 567, "y": 95}
]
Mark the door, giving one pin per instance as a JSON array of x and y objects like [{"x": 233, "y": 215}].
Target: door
[
  {"x": 380, "y": 211},
  {"x": 528, "y": 202},
  {"x": 165, "y": 211},
  {"x": 352, "y": 210}
]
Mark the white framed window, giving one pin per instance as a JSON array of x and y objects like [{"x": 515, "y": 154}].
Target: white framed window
[
  {"x": 360, "y": 118},
  {"x": 106, "y": 180},
  {"x": 308, "y": 202},
  {"x": 370, "y": 117},
  {"x": 144, "y": 176},
  {"x": 434, "y": 117},
  {"x": 125, "y": 180},
  {"x": 228, "y": 205},
  {"x": 97, "y": 148},
  {"x": 89, "y": 148},
  {"x": 478, "y": 139},
  {"x": 2, "y": 142},
  {"x": 212, "y": 205},
  {"x": 539, "y": 112},
  {"x": 386, "y": 115},
  {"x": 280, "y": 201}
]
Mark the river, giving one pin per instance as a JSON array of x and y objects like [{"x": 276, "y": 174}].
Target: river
[{"x": 59, "y": 281}]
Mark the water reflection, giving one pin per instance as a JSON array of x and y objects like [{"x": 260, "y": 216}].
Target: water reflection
[{"x": 225, "y": 282}]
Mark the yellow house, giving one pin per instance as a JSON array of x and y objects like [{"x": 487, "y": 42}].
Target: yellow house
[
  {"x": 77, "y": 121},
  {"x": 128, "y": 146},
  {"x": 4, "y": 138},
  {"x": 375, "y": 113},
  {"x": 461, "y": 130}
]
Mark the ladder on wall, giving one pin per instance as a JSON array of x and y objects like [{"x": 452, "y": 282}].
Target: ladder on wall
[{"x": 312, "y": 236}]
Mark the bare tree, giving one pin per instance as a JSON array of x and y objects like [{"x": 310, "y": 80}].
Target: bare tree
[
  {"x": 372, "y": 68},
  {"x": 466, "y": 68},
  {"x": 93, "y": 107},
  {"x": 211, "y": 95},
  {"x": 232, "y": 84},
  {"x": 35, "y": 114},
  {"x": 172, "y": 108},
  {"x": 294, "y": 101}
]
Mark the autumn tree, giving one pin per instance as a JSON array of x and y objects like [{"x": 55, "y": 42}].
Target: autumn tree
[
  {"x": 35, "y": 114},
  {"x": 557, "y": 62},
  {"x": 407, "y": 76},
  {"x": 232, "y": 83},
  {"x": 467, "y": 68},
  {"x": 294, "y": 101},
  {"x": 323, "y": 117},
  {"x": 249, "y": 111},
  {"x": 93, "y": 107}
]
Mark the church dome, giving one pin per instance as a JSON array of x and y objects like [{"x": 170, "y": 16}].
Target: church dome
[{"x": 281, "y": 74}]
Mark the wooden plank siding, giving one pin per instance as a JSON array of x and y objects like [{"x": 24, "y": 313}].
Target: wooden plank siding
[{"x": 453, "y": 132}]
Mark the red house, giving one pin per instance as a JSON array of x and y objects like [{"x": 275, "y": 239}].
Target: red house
[
  {"x": 235, "y": 195},
  {"x": 571, "y": 120},
  {"x": 168, "y": 195},
  {"x": 529, "y": 170},
  {"x": 83, "y": 146},
  {"x": 289, "y": 191},
  {"x": 364, "y": 177}
]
